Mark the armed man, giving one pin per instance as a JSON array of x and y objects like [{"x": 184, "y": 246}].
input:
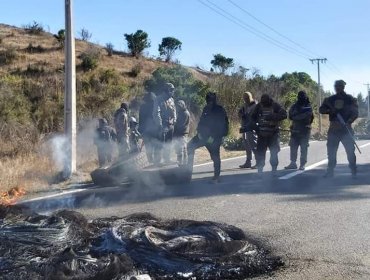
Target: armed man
[
  {"x": 181, "y": 132},
  {"x": 104, "y": 138},
  {"x": 164, "y": 115},
  {"x": 247, "y": 128},
  {"x": 342, "y": 109},
  {"x": 302, "y": 117},
  {"x": 212, "y": 127},
  {"x": 267, "y": 116},
  {"x": 122, "y": 128}
]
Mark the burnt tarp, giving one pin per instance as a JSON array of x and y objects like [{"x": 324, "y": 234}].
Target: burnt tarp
[{"x": 65, "y": 245}]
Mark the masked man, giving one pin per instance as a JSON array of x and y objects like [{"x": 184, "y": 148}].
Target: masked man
[
  {"x": 301, "y": 116},
  {"x": 213, "y": 126},
  {"x": 267, "y": 116},
  {"x": 342, "y": 109}
]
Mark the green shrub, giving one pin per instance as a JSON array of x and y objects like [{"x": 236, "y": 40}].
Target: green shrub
[
  {"x": 233, "y": 144},
  {"x": 108, "y": 76},
  {"x": 34, "y": 28},
  {"x": 136, "y": 70},
  {"x": 90, "y": 59}
]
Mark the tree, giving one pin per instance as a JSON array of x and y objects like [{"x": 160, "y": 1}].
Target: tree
[
  {"x": 60, "y": 37},
  {"x": 85, "y": 35},
  {"x": 189, "y": 89},
  {"x": 222, "y": 63},
  {"x": 168, "y": 47},
  {"x": 137, "y": 42}
]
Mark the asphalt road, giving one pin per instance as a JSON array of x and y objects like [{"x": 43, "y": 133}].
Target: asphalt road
[{"x": 319, "y": 226}]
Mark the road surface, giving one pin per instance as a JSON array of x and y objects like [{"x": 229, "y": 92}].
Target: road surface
[{"x": 320, "y": 227}]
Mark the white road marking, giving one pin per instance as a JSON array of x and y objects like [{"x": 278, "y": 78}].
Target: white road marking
[
  {"x": 52, "y": 195},
  {"x": 312, "y": 166},
  {"x": 239, "y": 157}
]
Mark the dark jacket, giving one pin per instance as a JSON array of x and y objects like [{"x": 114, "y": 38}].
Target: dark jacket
[
  {"x": 342, "y": 103},
  {"x": 213, "y": 122},
  {"x": 302, "y": 117},
  {"x": 267, "y": 118},
  {"x": 182, "y": 122},
  {"x": 146, "y": 122},
  {"x": 244, "y": 114}
]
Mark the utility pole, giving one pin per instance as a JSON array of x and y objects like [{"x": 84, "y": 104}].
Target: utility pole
[
  {"x": 368, "y": 99},
  {"x": 69, "y": 93},
  {"x": 319, "y": 96}
]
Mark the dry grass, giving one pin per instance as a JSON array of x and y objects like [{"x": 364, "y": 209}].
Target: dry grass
[{"x": 32, "y": 172}]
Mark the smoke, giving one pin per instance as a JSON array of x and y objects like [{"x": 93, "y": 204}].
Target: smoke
[{"x": 58, "y": 146}]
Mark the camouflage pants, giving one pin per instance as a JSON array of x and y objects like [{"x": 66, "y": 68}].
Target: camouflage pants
[
  {"x": 181, "y": 149},
  {"x": 104, "y": 154}
]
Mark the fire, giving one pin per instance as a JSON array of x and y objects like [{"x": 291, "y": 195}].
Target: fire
[{"x": 11, "y": 196}]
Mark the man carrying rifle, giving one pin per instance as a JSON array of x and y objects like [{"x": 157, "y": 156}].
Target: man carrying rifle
[
  {"x": 342, "y": 109},
  {"x": 301, "y": 116}
]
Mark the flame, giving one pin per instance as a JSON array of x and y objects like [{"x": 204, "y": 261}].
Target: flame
[{"x": 11, "y": 196}]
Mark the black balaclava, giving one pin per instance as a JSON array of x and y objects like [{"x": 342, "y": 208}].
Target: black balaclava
[
  {"x": 211, "y": 98},
  {"x": 302, "y": 98},
  {"x": 266, "y": 100}
]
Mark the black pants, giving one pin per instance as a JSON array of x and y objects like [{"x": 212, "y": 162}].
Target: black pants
[
  {"x": 336, "y": 137},
  {"x": 213, "y": 149},
  {"x": 268, "y": 142},
  {"x": 299, "y": 140}
]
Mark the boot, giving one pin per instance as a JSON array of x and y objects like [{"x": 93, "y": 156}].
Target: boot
[
  {"x": 354, "y": 172},
  {"x": 302, "y": 167},
  {"x": 291, "y": 166},
  {"x": 329, "y": 173},
  {"x": 215, "y": 180},
  {"x": 247, "y": 164}
]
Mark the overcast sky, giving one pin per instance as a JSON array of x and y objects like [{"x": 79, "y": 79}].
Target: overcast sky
[{"x": 334, "y": 29}]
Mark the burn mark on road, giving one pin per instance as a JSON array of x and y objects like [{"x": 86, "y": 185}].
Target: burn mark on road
[{"x": 65, "y": 245}]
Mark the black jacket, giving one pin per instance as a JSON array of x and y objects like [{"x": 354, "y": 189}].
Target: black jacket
[
  {"x": 268, "y": 118},
  {"x": 244, "y": 114},
  {"x": 302, "y": 117},
  {"x": 342, "y": 103},
  {"x": 213, "y": 122},
  {"x": 182, "y": 122}
]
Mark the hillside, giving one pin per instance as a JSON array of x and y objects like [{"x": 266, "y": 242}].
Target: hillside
[{"x": 51, "y": 57}]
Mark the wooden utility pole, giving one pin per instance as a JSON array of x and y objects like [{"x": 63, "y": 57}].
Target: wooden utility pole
[
  {"x": 319, "y": 96},
  {"x": 70, "y": 93}
]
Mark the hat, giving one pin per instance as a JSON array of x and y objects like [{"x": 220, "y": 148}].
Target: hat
[{"x": 340, "y": 83}]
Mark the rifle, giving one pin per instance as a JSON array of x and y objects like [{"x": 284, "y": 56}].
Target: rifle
[{"x": 343, "y": 123}]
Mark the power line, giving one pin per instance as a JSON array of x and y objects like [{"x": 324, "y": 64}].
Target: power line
[
  {"x": 251, "y": 29},
  {"x": 271, "y": 28}
]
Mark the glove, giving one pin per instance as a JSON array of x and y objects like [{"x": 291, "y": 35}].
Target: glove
[{"x": 210, "y": 140}]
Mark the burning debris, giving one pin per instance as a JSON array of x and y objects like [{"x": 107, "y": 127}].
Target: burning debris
[
  {"x": 11, "y": 196},
  {"x": 64, "y": 245}
]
